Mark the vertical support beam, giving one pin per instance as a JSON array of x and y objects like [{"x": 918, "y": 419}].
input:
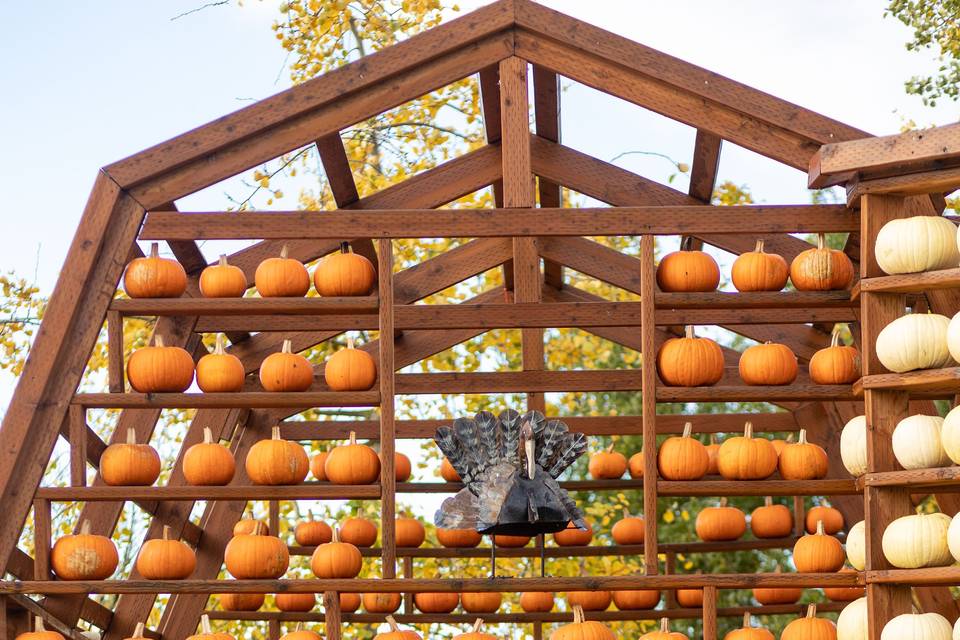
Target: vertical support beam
[
  {"x": 538, "y": 631},
  {"x": 42, "y": 531},
  {"x": 670, "y": 567},
  {"x": 408, "y": 574},
  {"x": 388, "y": 478},
  {"x": 490, "y": 109},
  {"x": 331, "y": 615},
  {"x": 273, "y": 629},
  {"x": 77, "y": 429},
  {"x": 709, "y": 613},
  {"x": 799, "y": 514},
  {"x": 546, "y": 109},
  {"x": 649, "y": 402},
  {"x": 273, "y": 516},
  {"x": 703, "y": 171},
  {"x": 115, "y": 351}
]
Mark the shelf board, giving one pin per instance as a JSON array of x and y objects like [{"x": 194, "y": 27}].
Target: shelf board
[
  {"x": 240, "y": 400},
  {"x": 943, "y": 479},
  {"x": 189, "y": 306},
  {"x": 909, "y": 283},
  {"x": 944, "y": 576},
  {"x": 709, "y": 488},
  {"x": 751, "y": 393},
  {"x": 306, "y": 491},
  {"x": 754, "y": 300},
  {"x": 929, "y": 382}
]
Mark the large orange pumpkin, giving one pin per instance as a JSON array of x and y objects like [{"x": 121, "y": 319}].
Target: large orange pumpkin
[
  {"x": 836, "y": 364},
  {"x": 166, "y": 558},
  {"x": 350, "y": 369},
  {"x": 396, "y": 633},
  {"x": 777, "y": 595},
  {"x": 129, "y": 463},
  {"x": 581, "y": 629},
  {"x": 300, "y": 602},
  {"x": 286, "y": 371},
  {"x": 607, "y": 465},
  {"x": 636, "y": 600},
  {"x": 759, "y": 271},
  {"x": 831, "y": 518},
  {"x": 312, "y": 533},
  {"x": 352, "y": 463},
  {"x": 720, "y": 523},
  {"x": 771, "y": 520},
  {"x": 381, "y": 602},
  {"x": 803, "y": 460},
  {"x": 458, "y": 538},
  {"x": 818, "y": 553},
  {"x": 441, "y": 602},
  {"x": 208, "y": 463},
  {"x": 359, "y": 532},
  {"x": 768, "y": 364},
  {"x": 821, "y": 269},
  {"x": 663, "y": 632},
  {"x": 572, "y": 536},
  {"x": 689, "y": 598},
  {"x": 240, "y": 601},
  {"x": 749, "y": 632},
  {"x": 590, "y": 600},
  {"x": 39, "y": 632},
  {"x": 480, "y": 602},
  {"x": 276, "y": 461},
  {"x": 690, "y": 361},
  {"x": 810, "y": 627},
  {"x": 223, "y": 280},
  {"x": 628, "y": 530},
  {"x": 746, "y": 458},
  {"x": 336, "y": 559},
  {"x": 687, "y": 270},
  {"x": 344, "y": 274},
  {"x": 160, "y": 369},
  {"x": 844, "y": 594},
  {"x": 84, "y": 556},
  {"x": 154, "y": 277},
  {"x": 409, "y": 533},
  {"x": 256, "y": 555},
  {"x": 683, "y": 458},
  {"x": 220, "y": 372},
  {"x": 536, "y": 601},
  {"x": 282, "y": 277}
]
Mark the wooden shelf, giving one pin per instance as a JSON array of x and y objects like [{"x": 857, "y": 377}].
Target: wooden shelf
[
  {"x": 188, "y": 306},
  {"x": 748, "y": 393},
  {"x": 909, "y": 283},
  {"x": 754, "y": 300},
  {"x": 941, "y": 480},
  {"x": 306, "y": 491},
  {"x": 240, "y": 400},
  {"x": 947, "y": 576},
  {"x": 759, "y": 488},
  {"x": 928, "y": 382}
]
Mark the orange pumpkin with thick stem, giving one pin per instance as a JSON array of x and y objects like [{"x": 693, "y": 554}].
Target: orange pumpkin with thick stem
[
  {"x": 286, "y": 371},
  {"x": 276, "y": 461},
  {"x": 247, "y": 526},
  {"x": 359, "y": 532},
  {"x": 683, "y": 458},
  {"x": 749, "y": 632},
  {"x": 511, "y": 542},
  {"x": 318, "y": 466},
  {"x": 844, "y": 594},
  {"x": 458, "y": 538},
  {"x": 636, "y": 600},
  {"x": 590, "y": 600},
  {"x": 344, "y": 274},
  {"x": 154, "y": 277},
  {"x": 771, "y": 520},
  {"x": 687, "y": 270},
  {"x": 689, "y": 598},
  {"x": 396, "y": 633},
  {"x": 282, "y": 277},
  {"x": 713, "y": 449},
  {"x": 581, "y": 629},
  {"x": 409, "y": 533},
  {"x": 690, "y": 361},
  {"x": 256, "y": 555},
  {"x": 447, "y": 472},
  {"x": 240, "y": 601},
  {"x": 746, "y": 458},
  {"x": 160, "y": 369},
  {"x": 779, "y": 444},
  {"x": 39, "y": 632},
  {"x": 381, "y": 602},
  {"x": 138, "y": 631},
  {"x": 84, "y": 556},
  {"x": 223, "y": 280},
  {"x": 663, "y": 632},
  {"x": 818, "y": 553},
  {"x": 836, "y": 364},
  {"x": 312, "y": 533},
  {"x": 607, "y": 465},
  {"x": 536, "y": 601},
  {"x": 777, "y": 595},
  {"x": 821, "y": 269},
  {"x": 759, "y": 271},
  {"x": 208, "y": 463},
  {"x": 350, "y": 369},
  {"x": 207, "y": 633},
  {"x": 480, "y": 601},
  {"x": 768, "y": 364},
  {"x": 573, "y": 536},
  {"x": 129, "y": 464},
  {"x": 475, "y": 633},
  {"x": 352, "y": 463},
  {"x": 349, "y": 602},
  {"x": 720, "y": 523},
  {"x": 628, "y": 530},
  {"x": 166, "y": 558},
  {"x": 831, "y": 518},
  {"x": 299, "y": 602},
  {"x": 803, "y": 460},
  {"x": 810, "y": 627},
  {"x": 440, "y": 602},
  {"x": 220, "y": 372},
  {"x": 336, "y": 559},
  {"x": 402, "y": 469}
]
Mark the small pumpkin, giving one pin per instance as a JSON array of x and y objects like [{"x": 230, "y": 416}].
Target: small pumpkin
[
  {"x": 444, "y": 602},
  {"x": 344, "y": 274},
  {"x": 636, "y": 600},
  {"x": 299, "y": 602},
  {"x": 299, "y": 633},
  {"x": 844, "y": 594},
  {"x": 352, "y": 463},
  {"x": 317, "y": 466},
  {"x": 713, "y": 451},
  {"x": 914, "y": 341},
  {"x": 916, "y": 442},
  {"x": 350, "y": 369},
  {"x": 590, "y": 600},
  {"x": 207, "y": 633},
  {"x": 953, "y": 537},
  {"x": 512, "y": 542},
  {"x": 768, "y": 364},
  {"x": 84, "y": 556},
  {"x": 917, "y": 541},
  {"x": 381, "y": 602},
  {"x": 748, "y": 631},
  {"x": 402, "y": 469},
  {"x": 240, "y": 601},
  {"x": 950, "y": 435},
  {"x": 923, "y": 626},
  {"x": 223, "y": 280},
  {"x": 573, "y": 536},
  {"x": 628, "y": 530},
  {"x": 396, "y": 633},
  {"x": 810, "y": 627},
  {"x": 777, "y": 595},
  {"x": 247, "y": 526},
  {"x": 160, "y": 369},
  {"x": 39, "y": 632},
  {"x": 409, "y": 533},
  {"x": 831, "y": 518},
  {"x": 635, "y": 465},
  {"x": 853, "y": 445},
  {"x": 581, "y": 629},
  {"x": 746, "y": 458},
  {"x": 690, "y": 361},
  {"x": 458, "y": 538},
  {"x": 836, "y": 364},
  {"x": 256, "y": 555},
  {"x": 759, "y": 271},
  {"x": 720, "y": 523},
  {"x": 818, "y": 553},
  {"x": 220, "y": 372},
  {"x": 803, "y": 460},
  {"x": 689, "y": 598},
  {"x": 683, "y": 458},
  {"x": 953, "y": 337},
  {"x": 312, "y": 533},
  {"x": 821, "y": 269},
  {"x": 129, "y": 463},
  {"x": 663, "y": 632},
  {"x": 771, "y": 520},
  {"x": 336, "y": 559},
  {"x": 282, "y": 277},
  {"x": 916, "y": 244},
  {"x": 154, "y": 277},
  {"x": 359, "y": 532},
  {"x": 276, "y": 461},
  {"x": 607, "y": 465},
  {"x": 480, "y": 602},
  {"x": 286, "y": 370},
  {"x": 208, "y": 463},
  {"x": 856, "y": 546},
  {"x": 536, "y": 601},
  {"x": 475, "y": 633},
  {"x": 166, "y": 558},
  {"x": 447, "y": 472},
  {"x": 852, "y": 621},
  {"x": 688, "y": 270},
  {"x": 779, "y": 444}
]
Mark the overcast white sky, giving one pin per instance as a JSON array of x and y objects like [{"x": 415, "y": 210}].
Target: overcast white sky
[{"x": 88, "y": 83}]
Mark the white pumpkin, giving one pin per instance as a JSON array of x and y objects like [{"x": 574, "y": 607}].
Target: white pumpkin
[
  {"x": 950, "y": 435},
  {"x": 917, "y": 626},
  {"x": 953, "y": 337},
  {"x": 856, "y": 546},
  {"x": 852, "y": 621},
  {"x": 953, "y": 537},
  {"x": 916, "y": 442},
  {"x": 916, "y": 541},
  {"x": 914, "y": 341},
  {"x": 956, "y": 630},
  {"x": 920, "y": 243},
  {"x": 853, "y": 445}
]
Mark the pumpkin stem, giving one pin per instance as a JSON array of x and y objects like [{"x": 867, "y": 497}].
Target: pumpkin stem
[
  {"x": 158, "y": 341},
  {"x": 223, "y": 260},
  {"x": 713, "y": 438},
  {"x": 349, "y": 342},
  {"x": 477, "y": 624},
  {"x": 820, "y": 531},
  {"x": 275, "y": 433},
  {"x": 746, "y": 620},
  {"x": 789, "y": 438},
  {"x": 207, "y": 435},
  {"x": 166, "y": 532},
  {"x": 85, "y": 528},
  {"x": 218, "y": 348},
  {"x": 803, "y": 436},
  {"x": 131, "y": 435},
  {"x": 610, "y": 448},
  {"x": 748, "y": 430},
  {"x": 664, "y": 625},
  {"x": 287, "y": 347},
  {"x": 723, "y": 502},
  {"x": 299, "y": 626},
  {"x": 344, "y": 247},
  {"x": 687, "y": 429},
  {"x": 257, "y": 527},
  {"x": 812, "y": 611},
  {"x": 336, "y": 535},
  {"x": 393, "y": 624},
  {"x": 284, "y": 251},
  {"x": 688, "y": 332},
  {"x": 768, "y": 501},
  {"x": 138, "y": 632},
  {"x": 205, "y": 624},
  {"x": 686, "y": 244},
  {"x": 821, "y": 240},
  {"x": 759, "y": 247},
  {"x": 835, "y": 336},
  {"x": 38, "y": 625},
  {"x": 778, "y": 569},
  {"x": 154, "y": 249},
  {"x": 577, "y": 614},
  {"x": 353, "y": 437}
]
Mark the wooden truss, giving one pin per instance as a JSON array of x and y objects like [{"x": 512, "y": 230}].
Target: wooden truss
[{"x": 133, "y": 200}]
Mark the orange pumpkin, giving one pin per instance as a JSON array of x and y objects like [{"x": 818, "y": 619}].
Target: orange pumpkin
[
  {"x": 831, "y": 518},
  {"x": 746, "y": 458},
  {"x": 206, "y": 632},
  {"x": 256, "y": 555},
  {"x": 352, "y": 463},
  {"x": 349, "y": 602},
  {"x": 458, "y": 538},
  {"x": 84, "y": 556},
  {"x": 409, "y": 533},
  {"x": 720, "y": 523},
  {"x": 138, "y": 631},
  {"x": 447, "y": 472},
  {"x": 607, "y": 465},
  {"x": 248, "y": 526},
  {"x": 223, "y": 280},
  {"x": 344, "y": 274},
  {"x": 536, "y": 601},
  {"x": 480, "y": 602},
  {"x": 749, "y": 632},
  {"x": 160, "y": 369},
  {"x": 590, "y": 600},
  {"x": 381, "y": 602},
  {"x": 220, "y": 372},
  {"x": 844, "y": 594},
  {"x": 771, "y": 520},
  {"x": 803, "y": 460},
  {"x": 690, "y": 361},
  {"x": 129, "y": 463},
  {"x": 779, "y": 444},
  {"x": 154, "y": 277},
  {"x": 683, "y": 458},
  {"x": 810, "y": 627},
  {"x": 240, "y": 601},
  {"x": 299, "y": 633},
  {"x": 276, "y": 461},
  {"x": 39, "y": 632},
  {"x": 759, "y": 271},
  {"x": 286, "y": 371},
  {"x": 572, "y": 536},
  {"x": 777, "y": 595},
  {"x": 635, "y": 465},
  {"x": 475, "y": 633},
  {"x": 821, "y": 269},
  {"x": 513, "y": 542},
  {"x": 581, "y": 629},
  {"x": 713, "y": 449},
  {"x": 166, "y": 558},
  {"x": 444, "y": 602},
  {"x": 628, "y": 530},
  {"x": 401, "y": 467},
  {"x": 312, "y": 533},
  {"x": 300, "y": 602},
  {"x": 687, "y": 270},
  {"x": 317, "y": 466},
  {"x": 350, "y": 369},
  {"x": 768, "y": 364},
  {"x": 208, "y": 463},
  {"x": 689, "y": 598},
  {"x": 663, "y": 632},
  {"x": 818, "y": 553},
  {"x": 359, "y": 532},
  {"x": 836, "y": 364},
  {"x": 396, "y": 633},
  {"x": 282, "y": 277},
  {"x": 336, "y": 559},
  {"x": 637, "y": 600}
]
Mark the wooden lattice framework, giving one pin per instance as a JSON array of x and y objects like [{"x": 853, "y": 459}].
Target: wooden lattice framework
[{"x": 507, "y": 44}]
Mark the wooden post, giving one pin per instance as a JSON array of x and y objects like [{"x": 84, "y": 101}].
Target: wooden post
[
  {"x": 408, "y": 574},
  {"x": 537, "y": 630},
  {"x": 331, "y": 613},
  {"x": 670, "y": 567},
  {"x": 649, "y": 401},
  {"x": 709, "y": 613},
  {"x": 42, "y": 531},
  {"x": 77, "y": 429},
  {"x": 273, "y": 629},
  {"x": 273, "y": 516},
  {"x": 115, "y": 351},
  {"x": 799, "y": 515},
  {"x": 388, "y": 479}
]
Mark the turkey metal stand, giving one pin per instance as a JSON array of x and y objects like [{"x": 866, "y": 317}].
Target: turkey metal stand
[{"x": 493, "y": 555}]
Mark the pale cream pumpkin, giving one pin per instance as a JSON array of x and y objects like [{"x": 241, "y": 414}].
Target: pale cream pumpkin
[
  {"x": 956, "y": 630},
  {"x": 917, "y": 626},
  {"x": 916, "y": 442},
  {"x": 853, "y": 445},
  {"x": 852, "y": 621},
  {"x": 953, "y": 337},
  {"x": 950, "y": 435},
  {"x": 913, "y": 245},
  {"x": 953, "y": 537},
  {"x": 856, "y": 545},
  {"x": 914, "y": 341},
  {"x": 916, "y": 541}
]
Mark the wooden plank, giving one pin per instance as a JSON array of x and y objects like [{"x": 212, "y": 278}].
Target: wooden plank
[
  {"x": 910, "y": 282},
  {"x": 336, "y": 167},
  {"x": 649, "y": 395},
  {"x": 704, "y": 488},
  {"x": 77, "y": 416},
  {"x": 710, "y": 613},
  {"x": 332, "y": 616},
  {"x": 361, "y": 305},
  {"x": 945, "y": 381},
  {"x": 115, "y": 352},
  {"x": 546, "y": 107},
  {"x": 306, "y": 491},
  {"x": 706, "y": 163},
  {"x": 42, "y": 531},
  {"x": 241, "y": 400},
  {"x": 936, "y": 181},
  {"x": 944, "y": 479},
  {"x": 489, "y": 79},
  {"x": 387, "y": 368}
]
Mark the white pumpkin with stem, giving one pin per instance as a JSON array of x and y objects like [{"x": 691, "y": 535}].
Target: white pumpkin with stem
[
  {"x": 914, "y": 341},
  {"x": 856, "y": 546},
  {"x": 852, "y": 621},
  {"x": 917, "y": 541},
  {"x": 950, "y": 435},
  {"x": 853, "y": 445},
  {"x": 922, "y": 626},
  {"x": 916, "y": 442},
  {"x": 916, "y": 244}
]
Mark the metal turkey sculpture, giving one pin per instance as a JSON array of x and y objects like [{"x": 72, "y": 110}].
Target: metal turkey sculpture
[{"x": 509, "y": 465}]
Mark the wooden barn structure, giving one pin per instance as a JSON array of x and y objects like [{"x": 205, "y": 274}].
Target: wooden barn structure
[{"x": 512, "y": 45}]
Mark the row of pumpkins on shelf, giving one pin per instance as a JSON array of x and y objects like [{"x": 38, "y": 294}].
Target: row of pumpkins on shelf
[
  {"x": 167, "y": 369},
  {"x": 338, "y": 274},
  {"x": 919, "y": 441}
]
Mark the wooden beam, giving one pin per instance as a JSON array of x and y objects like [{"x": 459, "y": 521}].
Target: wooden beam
[
  {"x": 242, "y": 400},
  {"x": 387, "y": 381},
  {"x": 706, "y": 163},
  {"x": 648, "y": 385},
  {"x": 546, "y": 106}
]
